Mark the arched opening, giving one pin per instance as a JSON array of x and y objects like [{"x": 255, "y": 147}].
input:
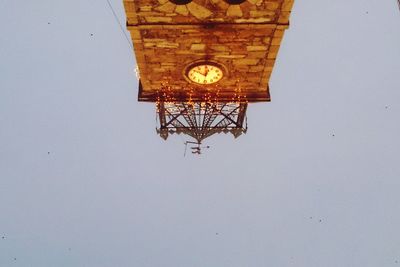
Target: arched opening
[
  {"x": 235, "y": 2},
  {"x": 181, "y": 2}
]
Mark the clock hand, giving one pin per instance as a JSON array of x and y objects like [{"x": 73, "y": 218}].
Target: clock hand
[
  {"x": 200, "y": 73},
  {"x": 207, "y": 70}
]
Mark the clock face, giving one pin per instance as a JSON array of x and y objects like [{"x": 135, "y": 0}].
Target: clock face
[{"x": 205, "y": 74}]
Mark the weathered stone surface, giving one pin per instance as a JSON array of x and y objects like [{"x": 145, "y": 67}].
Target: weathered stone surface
[
  {"x": 253, "y": 48},
  {"x": 197, "y": 47},
  {"x": 246, "y": 61},
  {"x": 199, "y": 11},
  {"x": 168, "y": 7},
  {"x": 244, "y": 39},
  {"x": 182, "y": 10},
  {"x": 234, "y": 11},
  {"x": 158, "y": 19}
]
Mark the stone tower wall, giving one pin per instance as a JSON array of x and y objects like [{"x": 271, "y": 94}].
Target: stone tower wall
[{"x": 244, "y": 38}]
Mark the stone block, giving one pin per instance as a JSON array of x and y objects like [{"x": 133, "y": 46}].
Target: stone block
[{"x": 197, "y": 47}]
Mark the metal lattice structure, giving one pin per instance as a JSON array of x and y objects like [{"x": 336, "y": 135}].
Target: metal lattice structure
[{"x": 200, "y": 120}]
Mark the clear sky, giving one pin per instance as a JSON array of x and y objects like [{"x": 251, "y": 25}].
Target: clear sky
[{"x": 85, "y": 180}]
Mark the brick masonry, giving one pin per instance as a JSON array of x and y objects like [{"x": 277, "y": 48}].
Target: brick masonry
[{"x": 244, "y": 38}]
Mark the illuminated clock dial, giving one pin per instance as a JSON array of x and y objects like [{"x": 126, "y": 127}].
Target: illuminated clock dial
[{"x": 205, "y": 74}]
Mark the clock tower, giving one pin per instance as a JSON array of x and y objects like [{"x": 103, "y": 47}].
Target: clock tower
[{"x": 199, "y": 55}]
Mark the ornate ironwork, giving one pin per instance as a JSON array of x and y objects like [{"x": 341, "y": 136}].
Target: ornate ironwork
[{"x": 201, "y": 120}]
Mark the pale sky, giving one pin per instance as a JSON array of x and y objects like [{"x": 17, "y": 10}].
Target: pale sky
[{"x": 86, "y": 182}]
